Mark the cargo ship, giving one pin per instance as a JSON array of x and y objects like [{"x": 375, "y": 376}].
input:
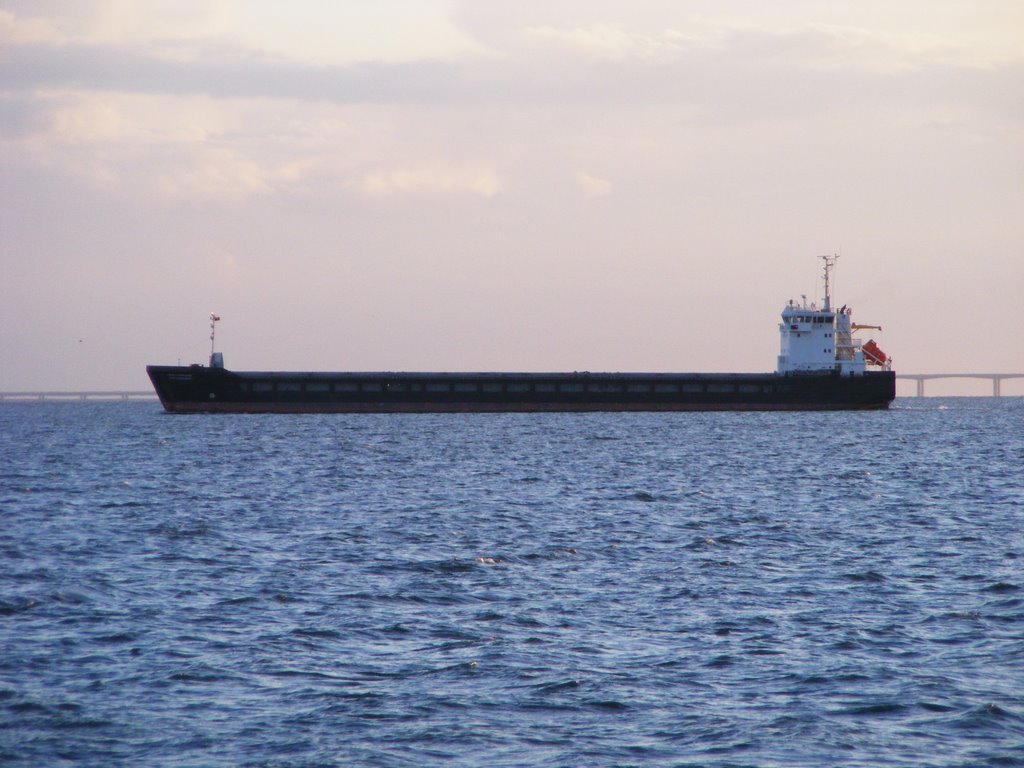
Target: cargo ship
[{"x": 821, "y": 366}]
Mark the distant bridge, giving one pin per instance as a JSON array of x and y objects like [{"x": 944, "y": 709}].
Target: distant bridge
[
  {"x": 995, "y": 378},
  {"x": 120, "y": 394}
]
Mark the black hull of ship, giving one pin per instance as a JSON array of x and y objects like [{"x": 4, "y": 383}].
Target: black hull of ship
[{"x": 199, "y": 389}]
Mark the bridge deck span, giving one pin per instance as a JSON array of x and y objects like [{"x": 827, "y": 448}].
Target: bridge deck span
[
  {"x": 135, "y": 394},
  {"x": 996, "y": 379}
]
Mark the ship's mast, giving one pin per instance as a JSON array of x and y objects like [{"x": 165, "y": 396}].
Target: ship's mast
[
  {"x": 830, "y": 263},
  {"x": 214, "y": 317}
]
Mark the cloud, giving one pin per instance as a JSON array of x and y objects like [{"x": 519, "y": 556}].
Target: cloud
[
  {"x": 216, "y": 261},
  {"x": 720, "y": 67},
  {"x": 607, "y": 41},
  {"x": 183, "y": 148},
  {"x": 226, "y": 152},
  {"x": 202, "y": 118},
  {"x": 18, "y": 31},
  {"x": 218, "y": 176},
  {"x": 225, "y": 72},
  {"x": 430, "y": 179},
  {"x": 592, "y": 187}
]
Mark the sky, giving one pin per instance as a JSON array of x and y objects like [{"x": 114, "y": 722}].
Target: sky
[{"x": 560, "y": 185}]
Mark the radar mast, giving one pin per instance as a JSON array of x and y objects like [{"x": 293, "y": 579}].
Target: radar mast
[
  {"x": 830, "y": 263},
  {"x": 216, "y": 358}
]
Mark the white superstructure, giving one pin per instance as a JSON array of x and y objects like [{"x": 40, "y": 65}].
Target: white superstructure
[{"x": 819, "y": 339}]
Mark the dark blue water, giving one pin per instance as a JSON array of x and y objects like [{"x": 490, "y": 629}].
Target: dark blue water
[{"x": 512, "y": 590}]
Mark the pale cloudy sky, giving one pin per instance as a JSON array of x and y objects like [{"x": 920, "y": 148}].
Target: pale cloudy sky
[{"x": 557, "y": 185}]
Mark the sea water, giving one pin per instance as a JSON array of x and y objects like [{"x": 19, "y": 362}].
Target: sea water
[{"x": 691, "y": 589}]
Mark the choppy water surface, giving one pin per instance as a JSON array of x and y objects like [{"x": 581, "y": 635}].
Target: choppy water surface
[{"x": 512, "y": 590}]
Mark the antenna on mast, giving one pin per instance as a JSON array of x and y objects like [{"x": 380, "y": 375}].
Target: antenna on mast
[
  {"x": 830, "y": 263},
  {"x": 214, "y": 319}
]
